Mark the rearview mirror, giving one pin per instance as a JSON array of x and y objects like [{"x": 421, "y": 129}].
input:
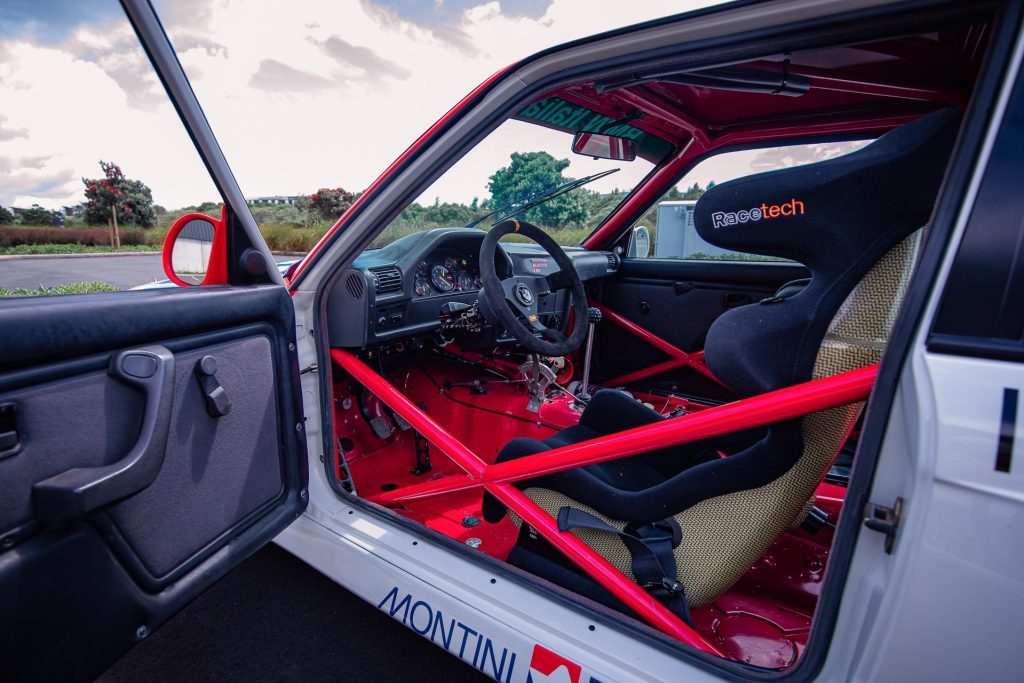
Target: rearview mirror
[
  {"x": 601, "y": 146},
  {"x": 193, "y": 252}
]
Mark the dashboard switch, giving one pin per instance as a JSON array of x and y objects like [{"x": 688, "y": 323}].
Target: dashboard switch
[
  {"x": 382, "y": 321},
  {"x": 396, "y": 318}
]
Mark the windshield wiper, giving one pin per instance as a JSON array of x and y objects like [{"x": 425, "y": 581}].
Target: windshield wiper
[{"x": 513, "y": 208}]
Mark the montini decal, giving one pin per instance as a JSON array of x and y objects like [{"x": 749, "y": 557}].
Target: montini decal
[
  {"x": 720, "y": 219},
  {"x": 461, "y": 640},
  {"x": 472, "y": 646}
]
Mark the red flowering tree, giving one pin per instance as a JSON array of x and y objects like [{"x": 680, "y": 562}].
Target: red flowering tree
[
  {"x": 130, "y": 199},
  {"x": 330, "y": 203}
]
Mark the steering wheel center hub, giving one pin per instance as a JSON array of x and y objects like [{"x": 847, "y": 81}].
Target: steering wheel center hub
[{"x": 524, "y": 294}]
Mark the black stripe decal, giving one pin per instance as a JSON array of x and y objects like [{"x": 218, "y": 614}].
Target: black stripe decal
[{"x": 1008, "y": 425}]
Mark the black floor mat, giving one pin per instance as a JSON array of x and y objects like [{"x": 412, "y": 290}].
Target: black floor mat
[{"x": 275, "y": 618}]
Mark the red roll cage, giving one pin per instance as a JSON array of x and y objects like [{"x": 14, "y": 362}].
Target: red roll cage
[{"x": 783, "y": 404}]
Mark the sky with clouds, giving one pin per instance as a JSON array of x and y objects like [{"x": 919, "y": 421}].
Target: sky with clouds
[{"x": 301, "y": 95}]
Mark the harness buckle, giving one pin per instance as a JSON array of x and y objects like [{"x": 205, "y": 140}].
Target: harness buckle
[{"x": 671, "y": 587}]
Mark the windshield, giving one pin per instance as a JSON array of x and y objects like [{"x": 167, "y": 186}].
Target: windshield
[{"x": 509, "y": 174}]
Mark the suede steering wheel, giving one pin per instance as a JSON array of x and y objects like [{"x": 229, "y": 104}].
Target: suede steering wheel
[{"x": 513, "y": 302}]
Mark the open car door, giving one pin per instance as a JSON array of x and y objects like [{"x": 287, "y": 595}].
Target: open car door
[
  {"x": 150, "y": 441},
  {"x": 125, "y": 493}
]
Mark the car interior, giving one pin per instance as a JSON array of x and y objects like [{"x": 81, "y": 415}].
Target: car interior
[{"x": 671, "y": 438}]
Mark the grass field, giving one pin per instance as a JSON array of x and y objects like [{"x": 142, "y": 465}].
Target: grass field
[
  {"x": 289, "y": 237},
  {"x": 70, "y": 288},
  {"x": 66, "y": 248},
  {"x": 280, "y": 237}
]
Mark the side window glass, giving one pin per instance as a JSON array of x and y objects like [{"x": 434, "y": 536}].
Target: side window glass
[
  {"x": 93, "y": 158},
  {"x": 667, "y": 230},
  {"x": 981, "y": 312}
]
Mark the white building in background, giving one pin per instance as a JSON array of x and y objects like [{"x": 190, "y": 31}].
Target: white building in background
[
  {"x": 676, "y": 235},
  {"x": 275, "y": 199}
]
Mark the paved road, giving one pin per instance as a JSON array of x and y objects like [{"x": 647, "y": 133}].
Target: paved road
[
  {"x": 121, "y": 271},
  {"x": 277, "y": 619}
]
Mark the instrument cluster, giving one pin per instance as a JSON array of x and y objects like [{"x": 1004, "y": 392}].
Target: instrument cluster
[{"x": 444, "y": 274}]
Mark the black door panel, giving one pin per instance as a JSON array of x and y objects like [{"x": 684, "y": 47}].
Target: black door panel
[
  {"x": 734, "y": 273},
  {"x": 678, "y": 300},
  {"x": 96, "y": 554},
  {"x": 156, "y": 528}
]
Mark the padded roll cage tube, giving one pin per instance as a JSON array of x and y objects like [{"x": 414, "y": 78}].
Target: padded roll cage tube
[
  {"x": 677, "y": 357},
  {"x": 782, "y": 404}
]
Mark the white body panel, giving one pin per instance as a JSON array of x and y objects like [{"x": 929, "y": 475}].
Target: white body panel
[{"x": 956, "y": 617}]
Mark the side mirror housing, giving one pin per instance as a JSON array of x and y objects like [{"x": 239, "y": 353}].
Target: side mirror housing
[
  {"x": 195, "y": 250},
  {"x": 639, "y": 242},
  {"x": 601, "y": 146}
]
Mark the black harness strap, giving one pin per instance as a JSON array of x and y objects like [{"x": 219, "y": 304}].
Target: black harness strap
[{"x": 650, "y": 547}]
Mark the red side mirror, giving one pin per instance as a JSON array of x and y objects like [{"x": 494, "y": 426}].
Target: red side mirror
[{"x": 195, "y": 250}]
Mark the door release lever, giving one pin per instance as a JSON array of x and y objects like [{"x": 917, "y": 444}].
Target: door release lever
[
  {"x": 77, "y": 491},
  {"x": 10, "y": 432},
  {"x": 217, "y": 402}
]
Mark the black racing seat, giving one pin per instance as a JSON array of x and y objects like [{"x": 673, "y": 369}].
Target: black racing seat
[{"x": 856, "y": 223}]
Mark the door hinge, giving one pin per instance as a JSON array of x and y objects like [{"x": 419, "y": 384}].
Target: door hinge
[{"x": 884, "y": 520}]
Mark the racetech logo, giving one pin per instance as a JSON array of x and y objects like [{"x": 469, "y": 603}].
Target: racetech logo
[{"x": 720, "y": 219}]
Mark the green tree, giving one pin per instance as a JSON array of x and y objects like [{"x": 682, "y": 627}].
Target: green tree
[
  {"x": 695, "y": 191},
  {"x": 131, "y": 199},
  {"x": 531, "y": 174},
  {"x": 692, "y": 192},
  {"x": 6, "y": 217},
  {"x": 37, "y": 215},
  {"x": 330, "y": 202}
]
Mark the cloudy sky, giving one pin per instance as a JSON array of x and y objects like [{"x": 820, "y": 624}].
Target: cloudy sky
[{"x": 301, "y": 95}]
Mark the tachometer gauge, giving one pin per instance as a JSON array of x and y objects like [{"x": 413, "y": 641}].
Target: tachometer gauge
[
  {"x": 442, "y": 278},
  {"x": 421, "y": 283}
]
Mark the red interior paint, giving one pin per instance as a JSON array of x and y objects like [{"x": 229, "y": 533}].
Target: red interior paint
[{"x": 764, "y": 619}]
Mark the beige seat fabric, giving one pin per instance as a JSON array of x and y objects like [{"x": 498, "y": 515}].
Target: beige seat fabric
[{"x": 724, "y": 536}]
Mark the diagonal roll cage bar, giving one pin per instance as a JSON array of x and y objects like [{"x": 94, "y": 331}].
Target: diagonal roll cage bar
[
  {"x": 783, "y": 404},
  {"x": 677, "y": 357}
]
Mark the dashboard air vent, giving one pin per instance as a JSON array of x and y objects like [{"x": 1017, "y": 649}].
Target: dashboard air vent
[
  {"x": 355, "y": 285},
  {"x": 613, "y": 260},
  {"x": 387, "y": 279}
]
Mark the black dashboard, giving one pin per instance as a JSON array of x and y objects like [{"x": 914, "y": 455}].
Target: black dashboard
[{"x": 396, "y": 292}]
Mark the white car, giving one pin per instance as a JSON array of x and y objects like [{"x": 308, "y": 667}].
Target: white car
[{"x": 790, "y": 456}]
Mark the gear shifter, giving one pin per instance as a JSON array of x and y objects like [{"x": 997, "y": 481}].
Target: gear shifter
[{"x": 593, "y": 318}]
